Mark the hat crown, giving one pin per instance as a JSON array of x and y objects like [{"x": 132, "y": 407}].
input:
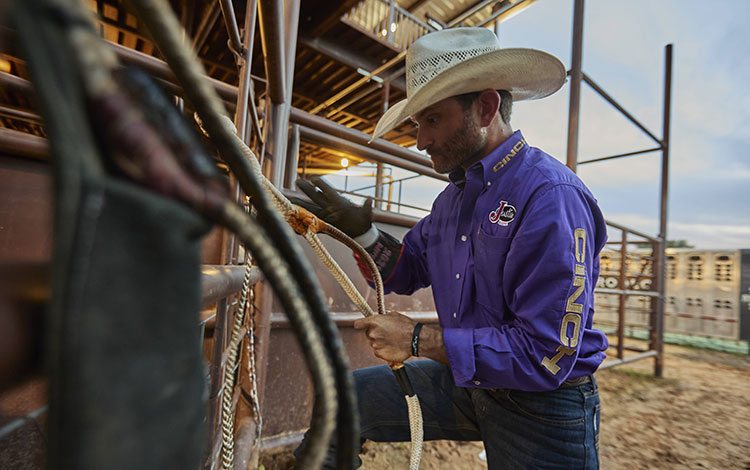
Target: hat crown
[{"x": 436, "y": 52}]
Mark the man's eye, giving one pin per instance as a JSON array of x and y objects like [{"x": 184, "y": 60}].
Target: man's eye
[{"x": 432, "y": 120}]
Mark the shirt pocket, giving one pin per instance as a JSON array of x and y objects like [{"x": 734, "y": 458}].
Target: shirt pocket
[{"x": 490, "y": 252}]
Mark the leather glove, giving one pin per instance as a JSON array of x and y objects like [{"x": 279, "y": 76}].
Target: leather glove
[{"x": 333, "y": 208}]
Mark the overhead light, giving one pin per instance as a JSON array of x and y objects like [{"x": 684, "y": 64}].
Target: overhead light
[
  {"x": 384, "y": 32},
  {"x": 344, "y": 162},
  {"x": 432, "y": 22},
  {"x": 374, "y": 78},
  {"x": 393, "y": 27}
]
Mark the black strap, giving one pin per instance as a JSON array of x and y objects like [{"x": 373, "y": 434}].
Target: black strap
[{"x": 415, "y": 340}]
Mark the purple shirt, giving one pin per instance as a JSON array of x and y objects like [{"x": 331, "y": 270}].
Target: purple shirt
[{"x": 511, "y": 250}]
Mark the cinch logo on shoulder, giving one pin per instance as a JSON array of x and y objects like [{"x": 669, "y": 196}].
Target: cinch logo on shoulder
[
  {"x": 513, "y": 152},
  {"x": 504, "y": 214}
]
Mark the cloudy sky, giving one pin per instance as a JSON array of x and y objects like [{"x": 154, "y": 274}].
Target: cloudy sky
[{"x": 623, "y": 52}]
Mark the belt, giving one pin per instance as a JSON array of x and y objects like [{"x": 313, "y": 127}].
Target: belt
[{"x": 576, "y": 382}]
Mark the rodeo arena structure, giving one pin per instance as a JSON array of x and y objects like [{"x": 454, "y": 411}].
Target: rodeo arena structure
[{"x": 151, "y": 318}]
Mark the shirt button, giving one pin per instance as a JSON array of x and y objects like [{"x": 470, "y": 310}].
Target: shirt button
[
  {"x": 454, "y": 314},
  {"x": 489, "y": 183},
  {"x": 463, "y": 238},
  {"x": 476, "y": 382},
  {"x": 458, "y": 276}
]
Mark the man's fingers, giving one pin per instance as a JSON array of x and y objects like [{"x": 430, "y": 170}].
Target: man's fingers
[
  {"x": 312, "y": 192},
  {"x": 367, "y": 206},
  {"x": 315, "y": 209},
  {"x": 327, "y": 189}
]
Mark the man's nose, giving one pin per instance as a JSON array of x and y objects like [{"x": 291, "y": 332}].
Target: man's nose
[{"x": 424, "y": 140}]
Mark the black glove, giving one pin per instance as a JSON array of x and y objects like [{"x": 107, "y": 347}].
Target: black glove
[{"x": 333, "y": 208}]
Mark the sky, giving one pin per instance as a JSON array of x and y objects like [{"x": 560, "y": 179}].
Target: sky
[{"x": 623, "y": 52}]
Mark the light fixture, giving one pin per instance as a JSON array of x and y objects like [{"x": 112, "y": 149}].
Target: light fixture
[
  {"x": 344, "y": 162},
  {"x": 393, "y": 27},
  {"x": 364, "y": 72}
]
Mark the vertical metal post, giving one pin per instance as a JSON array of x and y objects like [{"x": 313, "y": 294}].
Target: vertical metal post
[
  {"x": 280, "y": 108},
  {"x": 379, "y": 186},
  {"x": 272, "y": 35},
  {"x": 658, "y": 331},
  {"x": 576, "y": 74},
  {"x": 244, "y": 92},
  {"x": 623, "y": 298},
  {"x": 292, "y": 160},
  {"x": 390, "y": 21},
  {"x": 385, "y": 102}
]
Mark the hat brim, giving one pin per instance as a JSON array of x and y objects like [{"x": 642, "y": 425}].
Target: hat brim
[{"x": 526, "y": 73}]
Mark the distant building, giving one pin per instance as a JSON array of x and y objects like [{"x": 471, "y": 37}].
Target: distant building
[{"x": 707, "y": 291}]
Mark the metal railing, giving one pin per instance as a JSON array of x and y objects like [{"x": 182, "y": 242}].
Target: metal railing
[
  {"x": 386, "y": 21},
  {"x": 630, "y": 271}
]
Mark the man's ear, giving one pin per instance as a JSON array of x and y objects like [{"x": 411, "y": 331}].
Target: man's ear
[{"x": 489, "y": 103}]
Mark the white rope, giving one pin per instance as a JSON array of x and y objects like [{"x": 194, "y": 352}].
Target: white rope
[
  {"x": 416, "y": 430},
  {"x": 325, "y": 257}
]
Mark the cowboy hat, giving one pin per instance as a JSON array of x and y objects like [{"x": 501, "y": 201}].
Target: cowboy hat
[{"x": 462, "y": 60}]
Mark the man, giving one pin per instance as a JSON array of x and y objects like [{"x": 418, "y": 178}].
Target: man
[{"x": 511, "y": 251}]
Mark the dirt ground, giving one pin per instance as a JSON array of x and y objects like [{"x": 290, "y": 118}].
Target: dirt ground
[{"x": 696, "y": 417}]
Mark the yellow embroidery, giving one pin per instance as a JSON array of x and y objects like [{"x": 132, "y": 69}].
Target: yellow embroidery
[
  {"x": 573, "y": 310},
  {"x": 499, "y": 165}
]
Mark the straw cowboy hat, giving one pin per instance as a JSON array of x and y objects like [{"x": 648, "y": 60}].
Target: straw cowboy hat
[{"x": 462, "y": 60}]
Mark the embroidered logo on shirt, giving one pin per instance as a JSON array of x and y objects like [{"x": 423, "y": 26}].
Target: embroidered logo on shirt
[
  {"x": 518, "y": 146},
  {"x": 504, "y": 214}
]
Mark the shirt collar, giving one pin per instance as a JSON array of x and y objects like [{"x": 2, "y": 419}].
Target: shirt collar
[{"x": 491, "y": 166}]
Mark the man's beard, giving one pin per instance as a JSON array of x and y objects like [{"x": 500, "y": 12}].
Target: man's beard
[{"x": 463, "y": 146}]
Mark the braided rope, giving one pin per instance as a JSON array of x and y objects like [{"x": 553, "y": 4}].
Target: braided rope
[
  {"x": 338, "y": 273},
  {"x": 416, "y": 431},
  {"x": 230, "y": 378},
  {"x": 254, "y": 390}
]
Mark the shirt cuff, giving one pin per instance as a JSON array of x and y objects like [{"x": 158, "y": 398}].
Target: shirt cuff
[
  {"x": 459, "y": 347},
  {"x": 368, "y": 238}
]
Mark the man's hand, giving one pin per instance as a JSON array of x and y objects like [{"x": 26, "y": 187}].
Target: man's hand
[
  {"x": 389, "y": 335},
  {"x": 333, "y": 208}
]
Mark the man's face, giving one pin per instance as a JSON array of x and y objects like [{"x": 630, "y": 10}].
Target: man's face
[{"x": 450, "y": 135}]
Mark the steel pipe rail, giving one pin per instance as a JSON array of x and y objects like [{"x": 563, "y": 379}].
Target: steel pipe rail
[
  {"x": 620, "y": 155},
  {"x": 160, "y": 69},
  {"x": 272, "y": 38},
  {"x": 622, "y": 227},
  {"x": 637, "y": 357},
  {"x": 218, "y": 282},
  {"x": 23, "y": 144},
  {"x": 230, "y": 21},
  {"x": 471, "y": 11},
  {"x": 358, "y": 137},
  {"x": 366, "y": 152},
  {"x": 645, "y": 293},
  {"x": 378, "y": 215},
  {"x": 576, "y": 72},
  {"x": 590, "y": 82}
]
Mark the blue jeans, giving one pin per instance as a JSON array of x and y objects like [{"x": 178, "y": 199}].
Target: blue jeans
[{"x": 520, "y": 430}]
